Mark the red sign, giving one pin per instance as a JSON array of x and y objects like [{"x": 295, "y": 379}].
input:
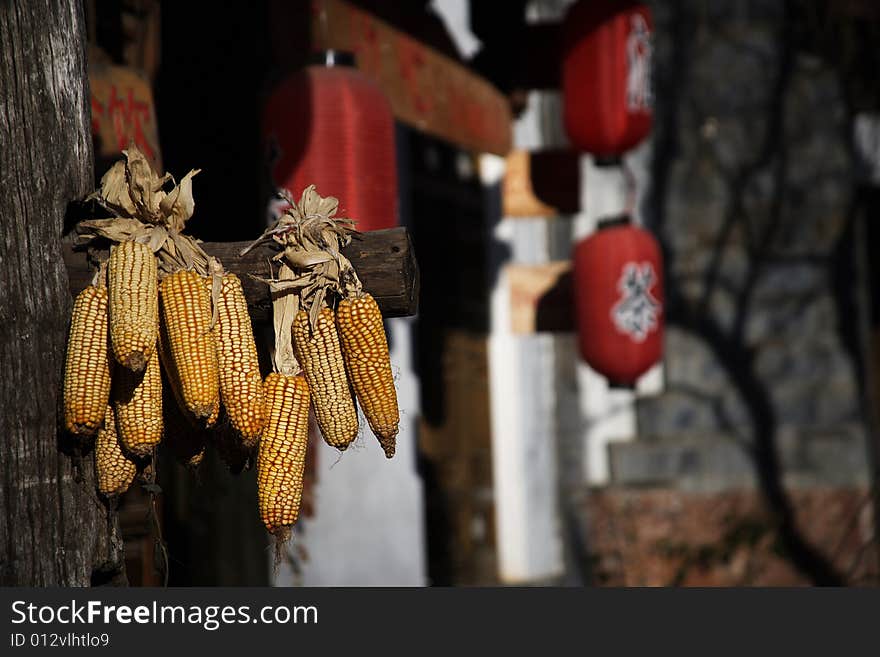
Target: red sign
[{"x": 123, "y": 112}]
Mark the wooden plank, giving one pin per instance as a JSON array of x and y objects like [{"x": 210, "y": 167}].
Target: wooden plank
[
  {"x": 384, "y": 259},
  {"x": 541, "y": 183},
  {"x": 541, "y": 297},
  {"x": 427, "y": 90}
]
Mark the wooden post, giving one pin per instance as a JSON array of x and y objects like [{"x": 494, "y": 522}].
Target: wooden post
[
  {"x": 384, "y": 260},
  {"x": 55, "y": 530}
]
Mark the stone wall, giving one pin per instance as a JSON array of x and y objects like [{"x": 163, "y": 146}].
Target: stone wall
[
  {"x": 752, "y": 190},
  {"x": 663, "y": 537}
]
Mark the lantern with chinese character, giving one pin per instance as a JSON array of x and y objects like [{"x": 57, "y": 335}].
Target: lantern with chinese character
[
  {"x": 606, "y": 75},
  {"x": 332, "y": 126},
  {"x": 618, "y": 288}
]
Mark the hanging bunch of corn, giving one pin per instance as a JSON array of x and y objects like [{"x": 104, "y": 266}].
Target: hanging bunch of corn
[
  {"x": 309, "y": 273},
  {"x": 166, "y": 306},
  {"x": 127, "y": 312},
  {"x": 343, "y": 352},
  {"x": 307, "y": 234}
]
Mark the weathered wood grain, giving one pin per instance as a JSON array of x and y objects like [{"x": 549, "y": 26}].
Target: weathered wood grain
[
  {"x": 384, "y": 259},
  {"x": 54, "y": 530}
]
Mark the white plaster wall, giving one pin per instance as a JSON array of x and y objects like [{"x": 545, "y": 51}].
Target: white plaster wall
[{"x": 522, "y": 397}]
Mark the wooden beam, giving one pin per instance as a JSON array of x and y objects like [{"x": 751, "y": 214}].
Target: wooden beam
[
  {"x": 384, "y": 259},
  {"x": 427, "y": 90}
]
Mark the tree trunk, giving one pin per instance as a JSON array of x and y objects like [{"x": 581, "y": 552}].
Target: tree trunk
[{"x": 54, "y": 528}]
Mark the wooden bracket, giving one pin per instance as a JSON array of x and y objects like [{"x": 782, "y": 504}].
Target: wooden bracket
[
  {"x": 542, "y": 183},
  {"x": 384, "y": 259},
  {"x": 541, "y": 298}
]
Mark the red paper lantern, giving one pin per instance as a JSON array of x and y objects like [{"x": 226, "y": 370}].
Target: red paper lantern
[
  {"x": 618, "y": 287},
  {"x": 332, "y": 126},
  {"x": 606, "y": 75}
]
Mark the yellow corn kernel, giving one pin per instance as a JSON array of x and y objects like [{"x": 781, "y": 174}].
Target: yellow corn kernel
[
  {"x": 186, "y": 314},
  {"x": 115, "y": 469},
  {"x": 241, "y": 386},
  {"x": 172, "y": 381},
  {"x": 134, "y": 311},
  {"x": 282, "y": 452},
  {"x": 137, "y": 400},
  {"x": 320, "y": 355},
  {"x": 87, "y": 366},
  {"x": 365, "y": 349}
]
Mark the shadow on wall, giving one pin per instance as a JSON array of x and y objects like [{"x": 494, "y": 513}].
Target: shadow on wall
[{"x": 752, "y": 199}]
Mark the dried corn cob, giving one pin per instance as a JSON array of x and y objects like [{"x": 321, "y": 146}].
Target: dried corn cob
[
  {"x": 172, "y": 380},
  {"x": 320, "y": 355},
  {"x": 186, "y": 313},
  {"x": 87, "y": 367},
  {"x": 365, "y": 349},
  {"x": 241, "y": 386},
  {"x": 115, "y": 469},
  {"x": 186, "y": 439},
  {"x": 282, "y": 451},
  {"x": 137, "y": 400},
  {"x": 134, "y": 314}
]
